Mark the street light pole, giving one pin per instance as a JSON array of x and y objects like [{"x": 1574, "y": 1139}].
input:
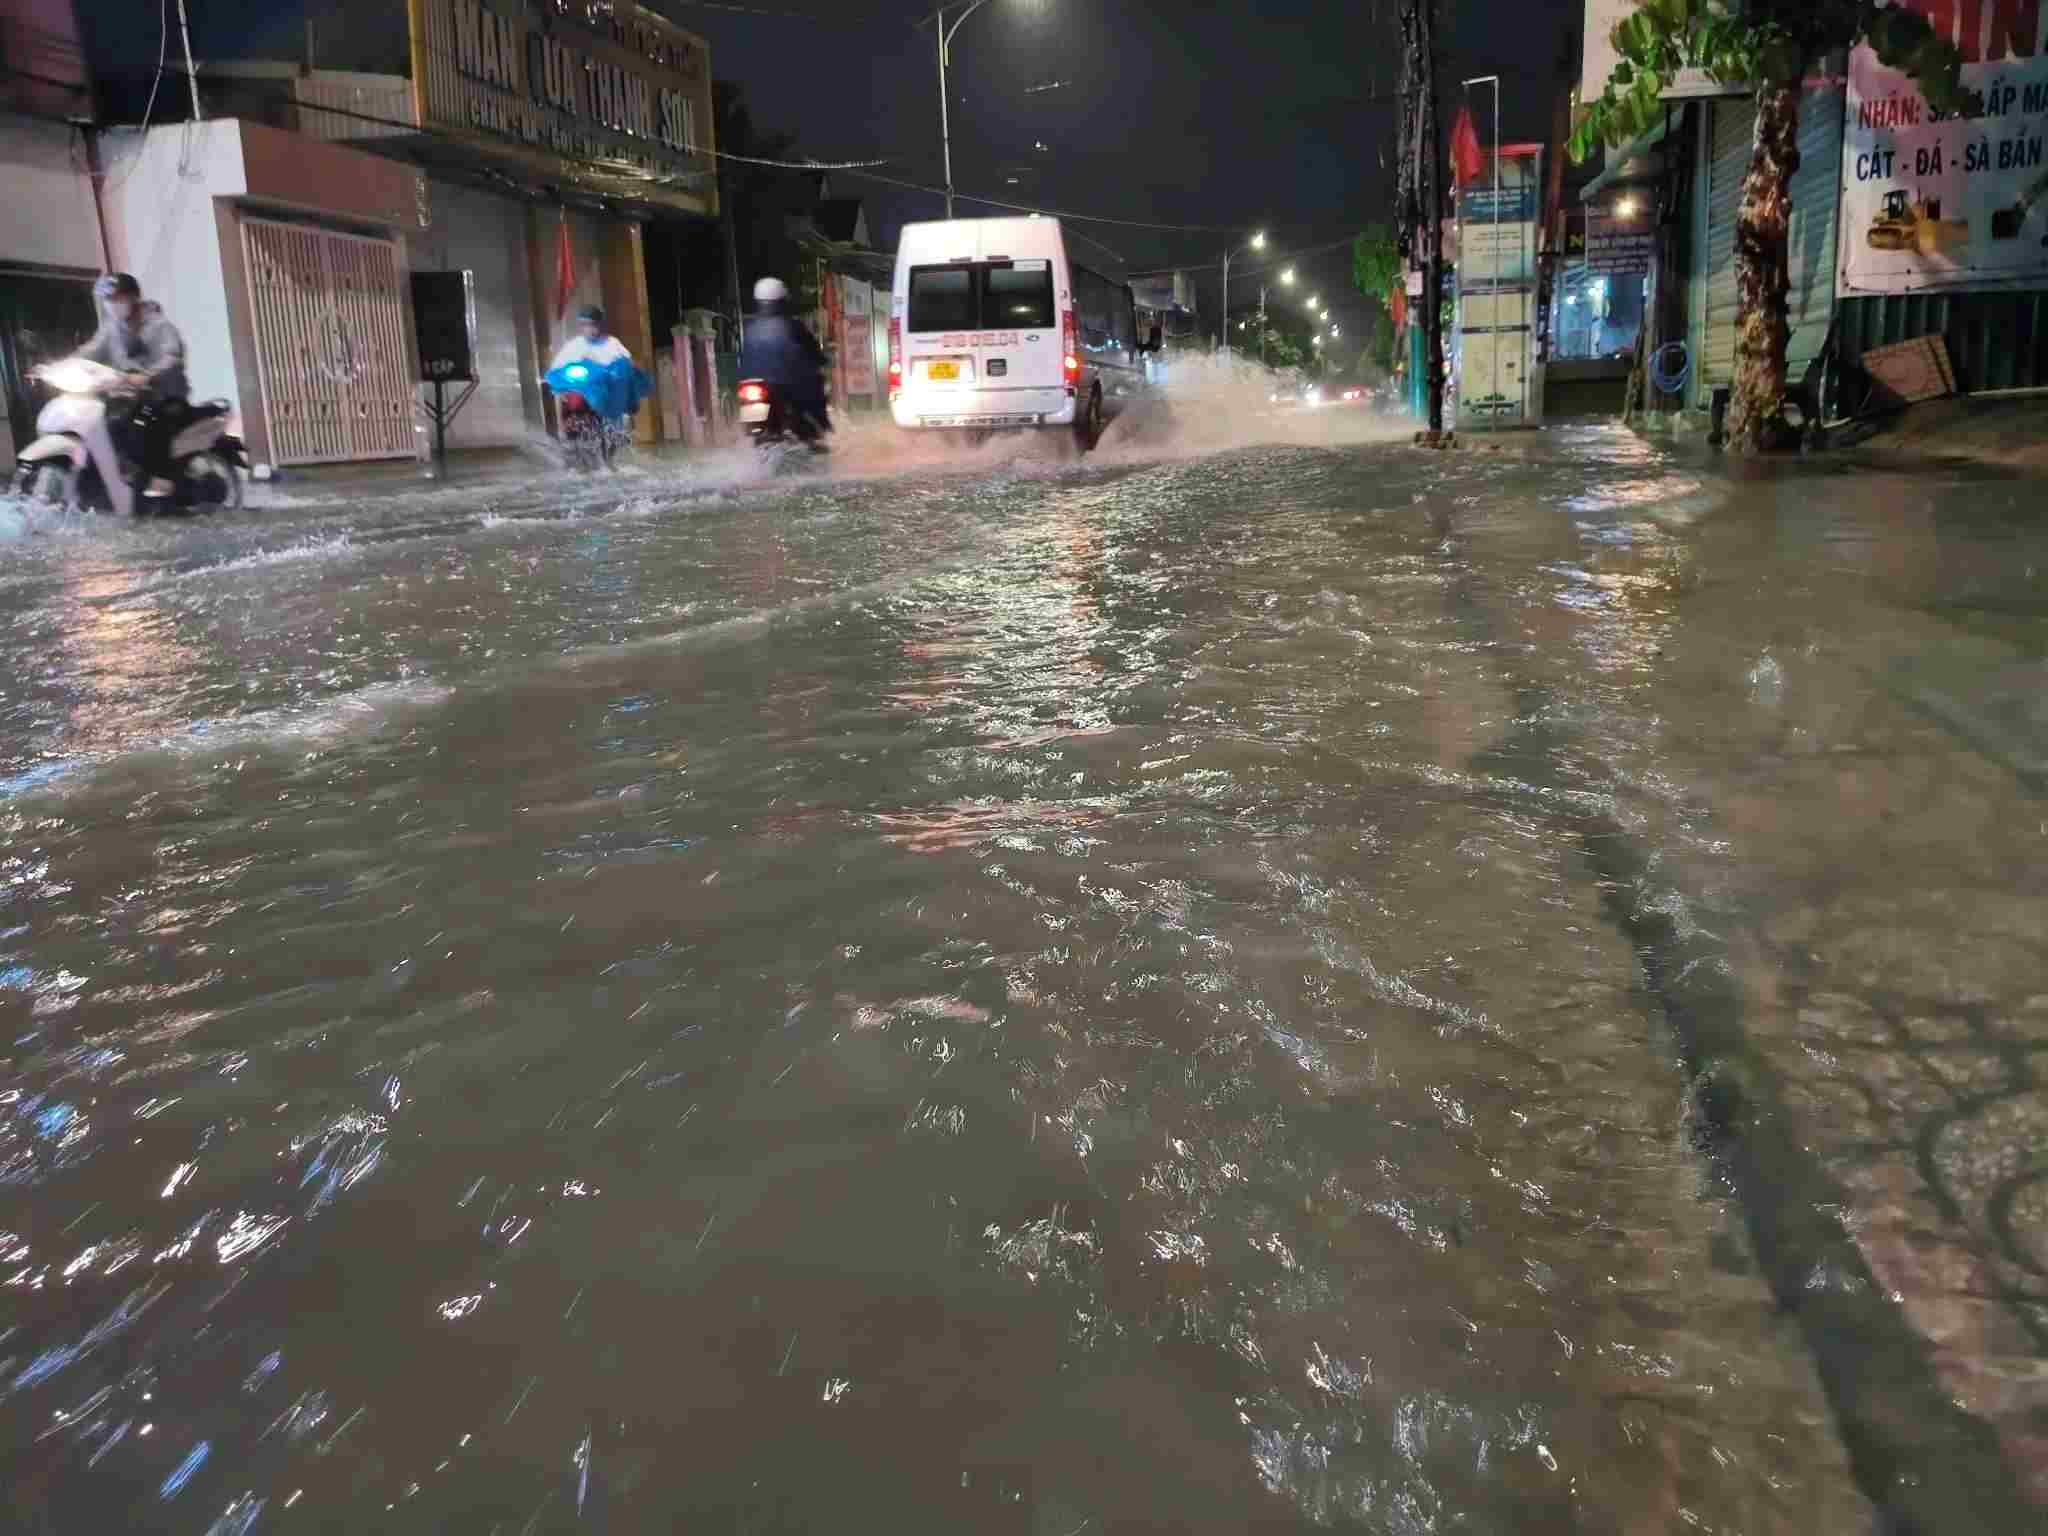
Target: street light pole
[
  {"x": 1256, "y": 243},
  {"x": 945, "y": 36}
]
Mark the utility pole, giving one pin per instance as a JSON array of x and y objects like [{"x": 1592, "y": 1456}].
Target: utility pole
[{"x": 1421, "y": 196}]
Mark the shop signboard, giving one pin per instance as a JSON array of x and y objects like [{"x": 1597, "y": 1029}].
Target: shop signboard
[
  {"x": 1615, "y": 245},
  {"x": 607, "y": 91},
  {"x": 1930, "y": 203},
  {"x": 1602, "y": 16},
  {"x": 857, "y": 352}
]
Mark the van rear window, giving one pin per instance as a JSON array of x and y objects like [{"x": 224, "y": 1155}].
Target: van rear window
[
  {"x": 942, "y": 298},
  {"x": 1018, "y": 295},
  {"x": 981, "y": 296}
]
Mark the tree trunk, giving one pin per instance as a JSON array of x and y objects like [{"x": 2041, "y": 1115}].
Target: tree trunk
[{"x": 1756, "y": 408}]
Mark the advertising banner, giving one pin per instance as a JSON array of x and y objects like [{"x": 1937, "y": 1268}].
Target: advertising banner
[
  {"x": 857, "y": 351},
  {"x": 1950, "y": 204},
  {"x": 1496, "y": 253},
  {"x": 1599, "y": 55}
]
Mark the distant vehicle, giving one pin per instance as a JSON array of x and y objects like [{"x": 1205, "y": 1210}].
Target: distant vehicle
[{"x": 991, "y": 326}]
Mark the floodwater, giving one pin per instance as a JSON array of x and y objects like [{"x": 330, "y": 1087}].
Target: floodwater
[{"x": 1222, "y": 987}]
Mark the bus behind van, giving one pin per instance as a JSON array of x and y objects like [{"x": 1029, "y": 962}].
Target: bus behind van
[{"x": 991, "y": 326}]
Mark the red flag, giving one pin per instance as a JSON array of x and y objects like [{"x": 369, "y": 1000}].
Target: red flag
[
  {"x": 1467, "y": 160},
  {"x": 1397, "y": 304},
  {"x": 565, "y": 271}
]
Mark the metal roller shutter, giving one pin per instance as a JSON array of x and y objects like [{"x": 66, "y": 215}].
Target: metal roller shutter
[
  {"x": 1816, "y": 196},
  {"x": 1733, "y": 130},
  {"x": 1816, "y": 204}
]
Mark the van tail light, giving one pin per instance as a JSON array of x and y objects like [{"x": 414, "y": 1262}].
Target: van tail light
[
  {"x": 1070, "y": 348},
  {"x": 895, "y": 357},
  {"x": 753, "y": 392}
]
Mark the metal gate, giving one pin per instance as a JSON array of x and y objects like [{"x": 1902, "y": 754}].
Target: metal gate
[{"x": 330, "y": 343}]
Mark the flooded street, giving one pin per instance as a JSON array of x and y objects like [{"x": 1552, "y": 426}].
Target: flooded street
[{"x": 1315, "y": 984}]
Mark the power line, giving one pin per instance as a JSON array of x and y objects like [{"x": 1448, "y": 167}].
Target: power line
[
  {"x": 1277, "y": 261},
  {"x": 1052, "y": 213},
  {"x": 731, "y": 7}
]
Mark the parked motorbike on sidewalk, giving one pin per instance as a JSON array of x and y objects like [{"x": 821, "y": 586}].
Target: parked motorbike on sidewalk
[
  {"x": 773, "y": 426},
  {"x": 88, "y": 448}
]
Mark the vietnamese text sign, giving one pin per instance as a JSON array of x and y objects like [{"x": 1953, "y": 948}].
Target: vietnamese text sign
[
  {"x": 1618, "y": 245},
  {"x": 629, "y": 98},
  {"x": 1495, "y": 253},
  {"x": 858, "y": 353},
  {"x": 1957, "y": 203}
]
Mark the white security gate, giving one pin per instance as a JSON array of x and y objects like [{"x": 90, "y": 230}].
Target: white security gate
[{"x": 330, "y": 343}]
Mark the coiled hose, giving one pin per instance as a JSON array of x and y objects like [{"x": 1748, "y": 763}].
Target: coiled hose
[{"x": 1667, "y": 376}]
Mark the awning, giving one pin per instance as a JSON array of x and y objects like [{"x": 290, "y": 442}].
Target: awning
[{"x": 1625, "y": 163}]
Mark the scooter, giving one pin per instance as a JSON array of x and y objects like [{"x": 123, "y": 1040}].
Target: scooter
[
  {"x": 595, "y": 401},
  {"x": 772, "y": 426},
  {"x": 589, "y": 441},
  {"x": 87, "y": 455}
]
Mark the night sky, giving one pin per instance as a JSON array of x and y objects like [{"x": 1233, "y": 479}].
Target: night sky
[{"x": 1245, "y": 113}]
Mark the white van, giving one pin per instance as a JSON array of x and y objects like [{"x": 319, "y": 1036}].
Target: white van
[{"x": 990, "y": 325}]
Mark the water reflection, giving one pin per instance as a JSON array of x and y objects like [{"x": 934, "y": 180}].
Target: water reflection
[{"x": 1034, "y": 1003}]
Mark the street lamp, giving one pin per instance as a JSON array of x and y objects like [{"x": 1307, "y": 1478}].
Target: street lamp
[
  {"x": 1287, "y": 276},
  {"x": 966, "y": 8},
  {"x": 1256, "y": 243}
]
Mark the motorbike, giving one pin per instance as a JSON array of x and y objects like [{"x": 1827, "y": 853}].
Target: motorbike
[
  {"x": 88, "y": 447},
  {"x": 772, "y": 426},
  {"x": 594, "y": 402}
]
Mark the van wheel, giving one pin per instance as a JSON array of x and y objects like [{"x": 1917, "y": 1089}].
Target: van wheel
[{"x": 1088, "y": 425}]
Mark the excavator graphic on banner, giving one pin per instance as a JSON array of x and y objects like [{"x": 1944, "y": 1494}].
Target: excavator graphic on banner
[{"x": 1905, "y": 223}]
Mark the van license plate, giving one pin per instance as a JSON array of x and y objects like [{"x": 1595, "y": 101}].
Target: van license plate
[{"x": 942, "y": 370}]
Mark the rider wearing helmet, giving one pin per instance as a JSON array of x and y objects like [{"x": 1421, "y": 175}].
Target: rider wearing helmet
[
  {"x": 779, "y": 349},
  {"x": 135, "y": 338},
  {"x": 591, "y": 343}
]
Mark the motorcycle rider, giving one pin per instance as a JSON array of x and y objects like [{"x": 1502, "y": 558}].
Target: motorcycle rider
[
  {"x": 591, "y": 343},
  {"x": 778, "y": 349},
  {"x": 135, "y": 338}
]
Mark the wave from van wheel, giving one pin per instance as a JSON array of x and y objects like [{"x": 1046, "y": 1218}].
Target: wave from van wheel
[{"x": 994, "y": 328}]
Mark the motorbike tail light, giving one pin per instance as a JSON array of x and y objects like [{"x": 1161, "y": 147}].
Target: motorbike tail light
[
  {"x": 753, "y": 394},
  {"x": 1070, "y": 347},
  {"x": 895, "y": 358}
]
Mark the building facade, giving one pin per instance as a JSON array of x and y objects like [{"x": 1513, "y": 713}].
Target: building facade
[
  {"x": 51, "y": 241},
  {"x": 1902, "y": 225},
  {"x": 528, "y": 143}
]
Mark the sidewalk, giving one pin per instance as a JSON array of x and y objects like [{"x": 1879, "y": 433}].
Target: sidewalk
[
  {"x": 465, "y": 468},
  {"x": 2002, "y": 431}
]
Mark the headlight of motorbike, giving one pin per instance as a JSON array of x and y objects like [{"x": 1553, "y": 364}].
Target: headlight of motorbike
[
  {"x": 72, "y": 375},
  {"x": 577, "y": 371}
]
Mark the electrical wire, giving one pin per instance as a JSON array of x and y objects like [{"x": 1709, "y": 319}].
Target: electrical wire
[
  {"x": 1276, "y": 261},
  {"x": 1050, "y": 213},
  {"x": 163, "y": 54}
]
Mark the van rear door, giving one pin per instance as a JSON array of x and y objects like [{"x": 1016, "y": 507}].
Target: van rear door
[
  {"x": 939, "y": 323},
  {"x": 1018, "y": 344}
]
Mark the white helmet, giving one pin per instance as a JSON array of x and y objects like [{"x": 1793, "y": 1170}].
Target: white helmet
[{"x": 770, "y": 291}]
